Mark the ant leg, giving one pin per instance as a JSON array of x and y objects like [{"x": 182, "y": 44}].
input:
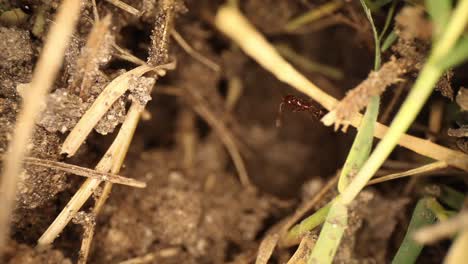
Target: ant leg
[{"x": 280, "y": 113}]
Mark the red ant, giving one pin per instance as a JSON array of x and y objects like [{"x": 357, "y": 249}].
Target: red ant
[{"x": 295, "y": 104}]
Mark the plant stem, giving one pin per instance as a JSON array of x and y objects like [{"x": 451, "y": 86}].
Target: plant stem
[{"x": 408, "y": 112}]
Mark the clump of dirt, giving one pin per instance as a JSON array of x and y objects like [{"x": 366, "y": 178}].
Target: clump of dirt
[
  {"x": 37, "y": 185},
  {"x": 24, "y": 254},
  {"x": 201, "y": 211}
]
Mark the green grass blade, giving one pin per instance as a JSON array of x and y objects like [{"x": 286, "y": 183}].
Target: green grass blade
[
  {"x": 388, "y": 20},
  {"x": 313, "y": 15},
  {"x": 362, "y": 144},
  {"x": 440, "y": 11},
  {"x": 330, "y": 236},
  {"x": 333, "y": 229},
  {"x": 409, "y": 249},
  {"x": 452, "y": 198},
  {"x": 413, "y": 104},
  {"x": 389, "y": 40},
  {"x": 307, "y": 225},
  {"x": 457, "y": 55}
]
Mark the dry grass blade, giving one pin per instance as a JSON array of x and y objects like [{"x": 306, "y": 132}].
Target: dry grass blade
[
  {"x": 124, "y": 6},
  {"x": 302, "y": 252},
  {"x": 457, "y": 253},
  {"x": 442, "y": 230},
  {"x": 151, "y": 257},
  {"x": 126, "y": 134},
  {"x": 43, "y": 77},
  {"x": 95, "y": 53},
  {"x": 126, "y": 55},
  {"x": 230, "y": 21},
  {"x": 111, "y": 161},
  {"x": 85, "y": 172},
  {"x": 359, "y": 97},
  {"x": 265, "y": 250},
  {"x": 101, "y": 105},
  {"x": 192, "y": 52},
  {"x": 199, "y": 105},
  {"x": 413, "y": 172}
]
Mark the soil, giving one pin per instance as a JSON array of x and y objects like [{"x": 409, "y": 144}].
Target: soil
[{"x": 194, "y": 208}]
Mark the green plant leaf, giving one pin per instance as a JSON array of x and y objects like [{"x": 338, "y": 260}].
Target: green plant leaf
[
  {"x": 409, "y": 250},
  {"x": 457, "y": 55},
  {"x": 389, "y": 40},
  {"x": 362, "y": 144},
  {"x": 440, "y": 11},
  {"x": 330, "y": 236},
  {"x": 307, "y": 225}
]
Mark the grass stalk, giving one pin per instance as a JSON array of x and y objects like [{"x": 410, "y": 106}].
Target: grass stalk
[
  {"x": 419, "y": 94},
  {"x": 111, "y": 161},
  {"x": 230, "y": 21},
  {"x": 336, "y": 220},
  {"x": 457, "y": 253},
  {"x": 294, "y": 235},
  {"x": 85, "y": 172},
  {"x": 313, "y": 15},
  {"x": 410, "y": 249},
  {"x": 43, "y": 78},
  {"x": 438, "y": 165}
]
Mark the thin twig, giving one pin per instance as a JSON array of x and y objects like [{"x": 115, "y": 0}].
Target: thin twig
[
  {"x": 101, "y": 105},
  {"x": 150, "y": 257},
  {"x": 126, "y": 135},
  {"x": 230, "y": 21},
  {"x": 43, "y": 77},
  {"x": 199, "y": 105},
  {"x": 192, "y": 52},
  {"x": 438, "y": 165},
  {"x": 125, "y": 7},
  {"x": 85, "y": 172},
  {"x": 126, "y": 55},
  {"x": 111, "y": 161}
]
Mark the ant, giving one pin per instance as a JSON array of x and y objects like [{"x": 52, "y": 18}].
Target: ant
[{"x": 295, "y": 104}]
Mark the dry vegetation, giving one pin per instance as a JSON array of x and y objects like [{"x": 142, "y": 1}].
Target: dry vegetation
[{"x": 175, "y": 101}]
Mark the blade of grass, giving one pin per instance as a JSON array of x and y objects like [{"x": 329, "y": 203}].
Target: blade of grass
[
  {"x": 388, "y": 20},
  {"x": 423, "y": 87},
  {"x": 409, "y": 249},
  {"x": 307, "y": 64},
  {"x": 230, "y": 21},
  {"x": 330, "y": 236},
  {"x": 457, "y": 55},
  {"x": 451, "y": 197},
  {"x": 457, "y": 253},
  {"x": 306, "y": 225},
  {"x": 331, "y": 233},
  {"x": 389, "y": 40},
  {"x": 440, "y": 11},
  {"x": 44, "y": 75},
  {"x": 314, "y": 14},
  {"x": 413, "y": 172}
]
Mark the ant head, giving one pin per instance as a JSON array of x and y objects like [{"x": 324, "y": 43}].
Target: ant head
[{"x": 289, "y": 99}]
